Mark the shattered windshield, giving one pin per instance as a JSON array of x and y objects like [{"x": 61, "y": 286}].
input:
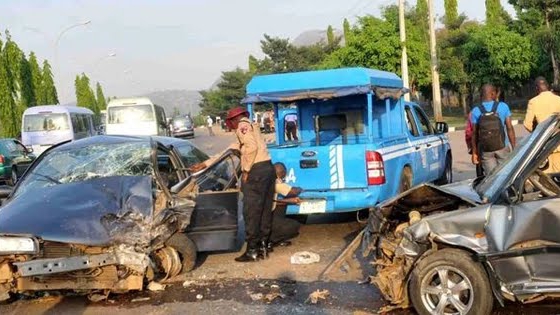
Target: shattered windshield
[{"x": 89, "y": 162}]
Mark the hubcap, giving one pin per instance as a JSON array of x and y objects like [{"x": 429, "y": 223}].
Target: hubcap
[
  {"x": 447, "y": 290},
  {"x": 14, "y": 177}
]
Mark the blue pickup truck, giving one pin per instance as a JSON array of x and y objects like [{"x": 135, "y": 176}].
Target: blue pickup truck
[{"x": 359, "y": 142}]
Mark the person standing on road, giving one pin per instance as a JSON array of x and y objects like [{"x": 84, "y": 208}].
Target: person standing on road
[
  {"x": 468, "y": 140},
  {"x": 290, "y": 125},
  {"x": 257, "y": 183},
  {"x": 209, "y": 123},
  {"x": 283, "y": 228},
  {"x": 540, "y": 108},
  {"x": 491, "y": 121}
]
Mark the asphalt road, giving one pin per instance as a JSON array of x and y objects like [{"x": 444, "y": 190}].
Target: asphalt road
[{"x": 219, "y": 285}]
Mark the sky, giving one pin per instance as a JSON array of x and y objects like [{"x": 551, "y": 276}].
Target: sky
[{"x": 138, "y": 46}]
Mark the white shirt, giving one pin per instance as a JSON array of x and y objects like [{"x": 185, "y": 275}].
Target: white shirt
[{"x": 209, "y": 121}]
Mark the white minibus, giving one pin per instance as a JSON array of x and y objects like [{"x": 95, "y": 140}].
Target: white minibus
[
  {"x": 135, "y": 117},
  {"x": 45, "y": 126}
]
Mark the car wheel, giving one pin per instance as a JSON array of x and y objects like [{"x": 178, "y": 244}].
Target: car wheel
[
  {"x": 450, "y": 282},
  {"x": 447, "y": 177},
  {"x": 406, "y": 180},
  {"x": 13, "y": 177},
  {"x": 186, "y": 248}
]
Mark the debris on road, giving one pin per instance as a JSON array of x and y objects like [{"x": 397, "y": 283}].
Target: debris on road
[
  {"x": 188, "y": 283},
  {"x": 256, "y": 296},
  {"x": 97, "y": 297},
  {"x": 314, "y": 297},
  {"x": 199, "y": 297},
  {"x": 140, "y": 299},
  {"x": 156, "y": 286},
  {"x": 273, "y": 295},
  {"x": 304, "y": 258}
]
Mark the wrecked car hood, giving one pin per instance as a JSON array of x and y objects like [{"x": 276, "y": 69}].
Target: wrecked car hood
[
  {"x": 96, "y": 212},
  {"x": 463, "y": 189}
]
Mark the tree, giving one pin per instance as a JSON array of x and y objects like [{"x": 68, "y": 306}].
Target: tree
[
  {"x": 451, "y": 13},
  {"x": 36, "y": 79},
  {"x": 542, "y": 19},
  {"x": 422, "y": 14},
  {"x": 48, "y": 89},
  {"x": 496, "y": 14},
  {"x": 19, "y": 72},
  {"x": 330, "y": 36},
  {"x": 9, "y": 121},
  {"x": 84, "y": 93},
  {"x": 229, "y": 93},
  {"x": 346, "y": 30},
  {"x": 497, "y": 55},
  {"x": 100, "y": 100}
]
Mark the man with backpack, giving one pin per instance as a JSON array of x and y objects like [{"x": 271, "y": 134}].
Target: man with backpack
[{"x": 491, "y": 121}]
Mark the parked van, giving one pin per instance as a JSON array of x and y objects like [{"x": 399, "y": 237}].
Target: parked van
[
  {"x": 359, "y": 143},
  {"x": 135, "y": 117},
  {"x": 45, "y": 126}
]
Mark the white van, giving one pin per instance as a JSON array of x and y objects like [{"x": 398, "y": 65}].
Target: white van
[
  {"x": 135, "y": 117},
  {"x": 45, "y": 126}
]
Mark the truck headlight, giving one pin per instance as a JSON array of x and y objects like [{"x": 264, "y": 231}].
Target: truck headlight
[{"x": 18, "y": 245}]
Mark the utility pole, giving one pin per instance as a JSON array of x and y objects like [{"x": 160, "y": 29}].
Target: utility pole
[
  {"x": 404, "y": 57},
  {"x": 436, "y": 98}
]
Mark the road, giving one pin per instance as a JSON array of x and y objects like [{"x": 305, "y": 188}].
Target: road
[{"x": 219, "y": 285}]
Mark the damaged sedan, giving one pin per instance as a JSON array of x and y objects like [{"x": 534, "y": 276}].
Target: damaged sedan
[
  {"x": 111, "y": 213},
  {"x": 457, "y": 249}
]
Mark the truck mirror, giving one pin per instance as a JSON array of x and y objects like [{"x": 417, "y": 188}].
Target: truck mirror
[{"x": 442, "y": 127}]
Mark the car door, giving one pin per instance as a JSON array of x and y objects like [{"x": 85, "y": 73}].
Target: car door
[
  {"x": 217, "y": 221},
  {"x": 431, "y": 145},
  {"x": 417, "y": 150}
]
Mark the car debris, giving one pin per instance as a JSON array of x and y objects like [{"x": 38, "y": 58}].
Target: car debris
[
  {"x": 199, "y": 297},
  {"x": 140, "y": 299},
  {"x": 304, "y": 258},
  {"x": 459, "y": 248},
  {"x": 256, "y": 296},
  {"x": 317, "y": 295},
  {"x": 156, "y": 286}
]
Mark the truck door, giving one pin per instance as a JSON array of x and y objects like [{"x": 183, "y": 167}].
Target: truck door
[
  {"x": 418, "y": 151},
  {"x": 432, "y": 144}
]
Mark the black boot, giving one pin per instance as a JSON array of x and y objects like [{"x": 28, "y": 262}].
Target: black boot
[
  {"x": 263, "y": 250},
  {"x": 250, "y": 255}
]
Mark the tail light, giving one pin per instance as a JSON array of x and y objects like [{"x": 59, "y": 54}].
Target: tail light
[
  {"x": 375, "y": 168},
  {"x": 1, "y": 159}
]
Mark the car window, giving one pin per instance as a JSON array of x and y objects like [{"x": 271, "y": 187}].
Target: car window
[
  {"x": 220, "y": 176},
  {"x": 130, "y": 114},
  {"x": 14, "y": 147},
  {"x": 410, "y": 122},
  {"x": 84, "y": 163},
  {"x": 425, "y": 124},
  {"x": 190, "y": 155},
  {"x": 45, "y": 122}
]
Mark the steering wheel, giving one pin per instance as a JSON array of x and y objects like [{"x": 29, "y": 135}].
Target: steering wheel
[{"x": 545, "y": 184}]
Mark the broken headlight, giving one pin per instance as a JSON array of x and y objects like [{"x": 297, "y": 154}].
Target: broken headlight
[{"x": 18, "y": 245}]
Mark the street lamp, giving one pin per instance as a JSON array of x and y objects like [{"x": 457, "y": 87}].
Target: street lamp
[{"x": 60, "y": 36}]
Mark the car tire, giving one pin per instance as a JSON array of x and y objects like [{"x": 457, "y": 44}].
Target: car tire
[
  {"x": 13, "y": 177},
  {"x": 467, "y": 285},
  {"x": 405, "y": 182},
  {"x": 186, "y": 248},
  {"x": 447, "y": 177}
]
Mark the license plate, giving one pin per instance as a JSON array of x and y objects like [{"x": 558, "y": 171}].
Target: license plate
[{"x": 313, "y": 206}]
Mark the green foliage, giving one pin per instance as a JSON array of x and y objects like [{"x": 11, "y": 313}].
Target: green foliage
[
  {"x": 229, "y": 93},
  {"x": 496, "y": 14},
  {"x": 48, "y": 89},
  {"x": 495, "y": 54},
  {"x": 346, "y": 30},
  {"x": 100, "y": 97},
  {"x": 330, "y": 35},
  {"x": 451, "y": 13},
  {"x": 84, "y": 93},
  {"x": 9, "y": 122},
  {"x": 36, "y": 79},
  {"x": 18, "y": 71}
]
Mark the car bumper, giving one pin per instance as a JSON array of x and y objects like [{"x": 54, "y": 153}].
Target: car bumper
[
  {"x": 186, "y": 133},
  {"x": 345, "y": 200}
]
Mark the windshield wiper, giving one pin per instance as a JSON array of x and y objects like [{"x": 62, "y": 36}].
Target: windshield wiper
[{"x": 50, "y": 179}]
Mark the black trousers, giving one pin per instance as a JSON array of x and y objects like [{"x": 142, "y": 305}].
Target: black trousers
[
  {"x": 283, "y": 228},
  {"x": 258, "y": 195},
  {"x": 291, "y": 131}
]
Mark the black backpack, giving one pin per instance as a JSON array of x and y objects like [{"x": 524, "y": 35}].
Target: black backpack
[{"x": 491, "y": 134}]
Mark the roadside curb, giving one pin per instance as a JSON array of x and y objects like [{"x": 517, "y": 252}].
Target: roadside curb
[{"x": 454, "y": 129}]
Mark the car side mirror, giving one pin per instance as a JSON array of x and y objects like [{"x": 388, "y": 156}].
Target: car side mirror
[
  {"x": 29, "y": 149},
  {"x": 510, "y": 195},
  {"x": 442, "y": 127},
  {"x": 5, "y": 191}
]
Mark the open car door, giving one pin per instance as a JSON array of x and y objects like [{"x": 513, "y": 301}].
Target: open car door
[{"x": 217, "y": 221}]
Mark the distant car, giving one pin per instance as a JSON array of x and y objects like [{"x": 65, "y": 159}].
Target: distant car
[
  {"x": 183, "y": 127},
  {"x": 14, "y": 160}
]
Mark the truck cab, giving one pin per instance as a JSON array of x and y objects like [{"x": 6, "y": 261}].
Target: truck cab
[{"x": 359, "y": 142}]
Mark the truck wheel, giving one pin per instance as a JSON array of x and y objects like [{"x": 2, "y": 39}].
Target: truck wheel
[
  {"x": 448, "y": 282},
  {"x": 447, "y": 177},
  {"x": 186, "y": 248},
  {"x": 406, "y": 180}
]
